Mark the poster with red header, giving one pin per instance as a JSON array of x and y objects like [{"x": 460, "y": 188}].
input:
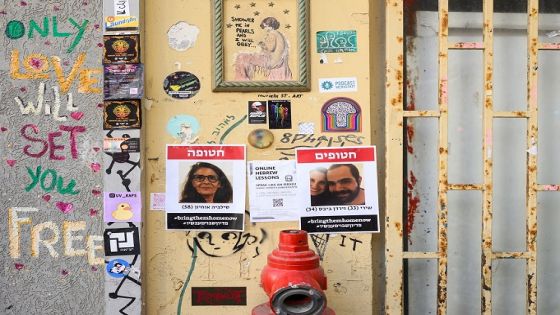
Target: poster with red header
[
  {"x": 342, "y": 195},
  {"x": 205, "y": 187}
]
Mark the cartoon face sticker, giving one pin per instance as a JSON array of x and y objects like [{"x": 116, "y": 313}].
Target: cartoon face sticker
[{"x": 118, "y": 268}]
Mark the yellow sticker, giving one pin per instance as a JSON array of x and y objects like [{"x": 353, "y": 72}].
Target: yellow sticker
[{"x": 114, "y": 23}]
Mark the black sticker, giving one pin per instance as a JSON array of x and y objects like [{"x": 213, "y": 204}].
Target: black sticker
[
  {"x": 123, "y": 81},
  {"x": 181, "y": 85},
  {"x": 121, "y": 241},
  {"x": 279, "y": 115},
  {"x": 257, "y": 112},
  {"x": 121, "y": 48},
  {"x": 123, "y": 114}
]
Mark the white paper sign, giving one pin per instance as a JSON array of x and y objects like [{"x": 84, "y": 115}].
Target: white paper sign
[
  {"x": 342, "y": 194},
  {"x": 205, "y": 187},
  {"x": 272, "y": 191},
  {"x": 122, "y": 7}
]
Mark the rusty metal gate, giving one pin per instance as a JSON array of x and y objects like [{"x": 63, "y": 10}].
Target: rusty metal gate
[{"x": 470, "y": 91}]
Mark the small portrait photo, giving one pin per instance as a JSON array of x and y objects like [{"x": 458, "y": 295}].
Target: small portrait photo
[
  {"x": 257, "y": 112},
  {"x": 205, "y": 182},
  {"x": 337, "y": 184}
]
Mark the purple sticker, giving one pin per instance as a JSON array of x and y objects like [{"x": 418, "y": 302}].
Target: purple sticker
[{"x": 122, "y": 207}]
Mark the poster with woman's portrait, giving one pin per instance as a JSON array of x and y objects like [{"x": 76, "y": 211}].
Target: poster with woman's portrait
[
  {"x": 261, "y": 45},
  {"x": 342, "y": 192},
  {"x": 205, "y": 187}
]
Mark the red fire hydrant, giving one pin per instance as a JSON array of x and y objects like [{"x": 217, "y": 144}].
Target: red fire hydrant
[{"x": 293, "y": 279}]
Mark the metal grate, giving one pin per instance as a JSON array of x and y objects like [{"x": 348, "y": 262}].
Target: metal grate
[{"x": 396, "y": 121}]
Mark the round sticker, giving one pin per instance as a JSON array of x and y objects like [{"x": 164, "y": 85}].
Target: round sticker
[
  {"x": 261, "y": 138},
  {"x": 118, "y": 268},
  {"x": 181, "y": 85}
]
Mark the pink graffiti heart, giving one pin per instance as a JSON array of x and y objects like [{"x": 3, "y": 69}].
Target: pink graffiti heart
[
  {"x": 96, "y": 192},
  {"x": 77, "y": 115},
  {"x": 19, "y": 266},
  {"x": 64, "y": 272},
  {"x": 11, "y": 162},
  {"x": 36, "y": 63},
  {"x": 3, "y": 129},
  {"x": 47, "y": 198},
  {"x": 96, "y": 149},
  {"x": 65, "y": 207},
  {"x": 92, "y": 212},
  {"x": 93, "y": 268},
  {"x": 95, "y": 167}
]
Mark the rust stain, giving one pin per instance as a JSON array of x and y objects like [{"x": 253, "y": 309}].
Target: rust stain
[
  {"x": 411, "y": 100},
  {"x": 410, "y": 138},
  {"x": 411, "y": 183},
  {"x": 551, "y": 46},
  {"x": 469, "y": 45},
  {"x": 410, "y": 9},
  {"x": 413, "y": 203},
  {"x": 444, "y": 21}
]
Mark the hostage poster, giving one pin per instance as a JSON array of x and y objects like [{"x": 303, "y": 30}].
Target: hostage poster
[
  {"x": 205, "y": 187},
  {"x": 342, "y": 193}
]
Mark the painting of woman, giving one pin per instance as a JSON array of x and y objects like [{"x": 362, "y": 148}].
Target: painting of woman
[{"x": 271, "y": 62}]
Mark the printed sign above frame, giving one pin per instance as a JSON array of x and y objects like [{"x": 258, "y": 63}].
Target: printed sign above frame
[{"x": 261, "y": 45}]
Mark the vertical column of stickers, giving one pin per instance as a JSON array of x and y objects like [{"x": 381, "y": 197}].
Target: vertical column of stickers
[{"x": 123, "y": 88}]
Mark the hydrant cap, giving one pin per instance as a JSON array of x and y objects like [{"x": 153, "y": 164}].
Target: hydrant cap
[{"x": 293, "y": 240}]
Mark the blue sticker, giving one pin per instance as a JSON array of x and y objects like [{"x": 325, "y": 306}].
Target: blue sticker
[
  {"x": 185, "y": 128},
  {"x": 118, "y": 268}
]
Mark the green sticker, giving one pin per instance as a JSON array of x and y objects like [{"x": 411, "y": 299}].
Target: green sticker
[{"x": 336, "y": 41}]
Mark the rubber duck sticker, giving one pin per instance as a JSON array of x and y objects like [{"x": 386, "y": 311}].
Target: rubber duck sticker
[
  {"x": 122, "y": 207},
  {"x": 123, "y": 212}
]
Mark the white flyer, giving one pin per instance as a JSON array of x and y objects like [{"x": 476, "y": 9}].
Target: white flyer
[{"x": 272, "y": 191}]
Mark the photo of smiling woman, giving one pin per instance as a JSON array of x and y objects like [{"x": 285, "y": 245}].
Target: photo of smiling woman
[
  {"x": 206, "y": 183},
  {"x": 320, "y": 195}
]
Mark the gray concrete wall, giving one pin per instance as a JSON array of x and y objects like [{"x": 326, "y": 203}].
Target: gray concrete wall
[{"x": 51, "y": 168}]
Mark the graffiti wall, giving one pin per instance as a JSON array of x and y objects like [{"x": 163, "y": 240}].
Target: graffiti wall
[
  {"x": 218, "y": 272},
  {"x": 51, "y": 230}
]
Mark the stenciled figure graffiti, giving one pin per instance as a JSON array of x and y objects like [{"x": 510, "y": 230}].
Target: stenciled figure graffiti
[{"x": 221, "y": 244}]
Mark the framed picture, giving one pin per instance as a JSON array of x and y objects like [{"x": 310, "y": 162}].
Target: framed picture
[{"x": 261, "y": 45}]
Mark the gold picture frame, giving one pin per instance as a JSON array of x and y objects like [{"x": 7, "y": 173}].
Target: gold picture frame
[{"x": 261, "y": 45}]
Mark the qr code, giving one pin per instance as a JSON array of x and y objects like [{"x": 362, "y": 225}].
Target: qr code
[{"x": 278, "y": 202}]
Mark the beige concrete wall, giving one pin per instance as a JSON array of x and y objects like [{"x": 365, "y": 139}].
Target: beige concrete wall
[{"x": 354, "y": 272}]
